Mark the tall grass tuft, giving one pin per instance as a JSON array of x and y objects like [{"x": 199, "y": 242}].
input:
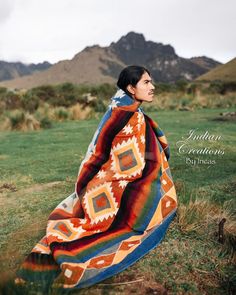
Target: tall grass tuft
[
  {"x": 77, "y": 112},
  {"x": 61, "y": 114},
  {"x": 18, "y": 120},
  {"x": 45, "y": 123},
  {"x": 204, "y": 216}
]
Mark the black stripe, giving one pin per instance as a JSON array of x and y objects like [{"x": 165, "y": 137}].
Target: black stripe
[{"x": 108, "y": 137}]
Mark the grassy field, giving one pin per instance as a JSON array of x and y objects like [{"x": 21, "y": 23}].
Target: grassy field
[{"x": 38, "y": 169}]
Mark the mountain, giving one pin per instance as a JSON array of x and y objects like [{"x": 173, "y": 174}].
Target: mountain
[
  {"x": 97, "y": 64},
  {"x": 162, "y": 60},
  {"x": 11, "y": 70},
  {"x": 226, "y": 73},
  {"x": 88, "y": 66},
  {"x": 205, "y": 62}
]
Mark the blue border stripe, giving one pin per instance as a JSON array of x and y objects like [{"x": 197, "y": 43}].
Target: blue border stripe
[{"x": 148, "y": 244}]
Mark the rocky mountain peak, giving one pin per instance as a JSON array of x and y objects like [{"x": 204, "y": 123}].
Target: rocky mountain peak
[
  {"x": 129, "y": 42},
  {"x": 96, "y": 64},
  {"x": 134, "y": 49},
  {"x": 205, "y": 62}
]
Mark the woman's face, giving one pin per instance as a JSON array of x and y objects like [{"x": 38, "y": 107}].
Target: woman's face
[{"x": 144, "y": 89}]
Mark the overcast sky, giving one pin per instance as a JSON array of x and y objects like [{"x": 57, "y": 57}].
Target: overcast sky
[{"x": 53, "y": 30}]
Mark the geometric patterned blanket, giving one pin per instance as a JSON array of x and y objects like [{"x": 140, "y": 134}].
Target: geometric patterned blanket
[{"x": 123, "y": 203}]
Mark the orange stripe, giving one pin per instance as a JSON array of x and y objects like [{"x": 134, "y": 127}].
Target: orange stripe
[
  {"x": 81, "y": 248},
  {"x": 37, "y": 267}
]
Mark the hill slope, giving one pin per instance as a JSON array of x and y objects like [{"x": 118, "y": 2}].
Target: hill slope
[
  {"x": 226, "y": 72},
  {"x": 12, "y": 70},
  {"x": 97, "y": 64}
]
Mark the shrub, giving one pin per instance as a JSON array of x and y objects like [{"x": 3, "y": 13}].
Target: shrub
[
  {"x": 30, "y": 102},
  {"x": 181, "y": 85},
  {"x": 61, "y": 114},
  {"x": 98, "y": 105},
  {"x": 66, "y": 95},
  {"x": 104, "y": 91},
  {"x": 10, "y": 100},
  {"x": 215, "y": 87},
  {"x": 30, "y": 123},
  {"x": 44, "y": 93},
  {"x": 85, "y": 99},
  {"x": 16, "y": 119},
  {"x": 78, "y": 112},
  {"x": 230, "y": 86},
  {"x": 3, "y": 91},
  {"x": 184, "y": 101},
  {"x": 67, "y": 87},
  {"x": 220, "y": 87},
  {"x": 45, "y": 123},
  {"x": 163, "y": 87},
  {"x": 192, "y": 89}
]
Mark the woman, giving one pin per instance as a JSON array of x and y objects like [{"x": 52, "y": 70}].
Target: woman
[{"x": 124, "y": 197}]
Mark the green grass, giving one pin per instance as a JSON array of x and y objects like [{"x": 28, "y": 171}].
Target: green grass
[
  {"x": 40, "y": 169},
  {"x": 177, "y": 125}
]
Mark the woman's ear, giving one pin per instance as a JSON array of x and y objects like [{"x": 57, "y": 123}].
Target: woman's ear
[{"x": 131, "y": 89}]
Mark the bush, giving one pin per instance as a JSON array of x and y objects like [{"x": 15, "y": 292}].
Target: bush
[
  {"x": 61, "y": 114},
  {"x": 192, "y": 89},
  {"x": 185, "y": 101},
  {"x": 44, "y": 93},
  {"x": 215, "y": 88},
  {"x": 78, "y": 112},
  {"x": 67, "y": 88},
  {"x": 220, "y": 87},
  {"x": 3, "y": 91},
  {"x": 16, "y": 119},
  {"x": 98, "y": 105},
  {"x": 181, "y": 85},
  {"x": 30, "y": 102},
  {"x": 66, "y": 95},
  {"x": 164, "y": 87},
  {"x": 105, "y": 91},
  {"x": 10, "y": 100},
  {"x": 45, "y": 123}
]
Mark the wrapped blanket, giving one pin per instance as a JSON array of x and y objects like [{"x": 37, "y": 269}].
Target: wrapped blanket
[{"x": 123, "y": 203}]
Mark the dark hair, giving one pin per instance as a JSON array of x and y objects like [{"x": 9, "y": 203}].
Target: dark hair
[{"x": 130, "y": 75}]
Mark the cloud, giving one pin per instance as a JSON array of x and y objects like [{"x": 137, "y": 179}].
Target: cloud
[
  {"x": 36, "y": 30},
  {"x": 6, "y": 8}
]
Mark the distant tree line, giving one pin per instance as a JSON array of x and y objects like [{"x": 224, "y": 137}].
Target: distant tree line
[
  {"x": 64, "y": 95},
  {"x": 97, "y": 97},
  {"x": 215, "y": 87}
]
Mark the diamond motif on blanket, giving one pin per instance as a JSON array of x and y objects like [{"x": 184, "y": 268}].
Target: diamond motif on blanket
[
  {"x": 127, "y": 160},
  {"x": 101, "y": 261},
  {"x": 100, "y": 203},
  {"x": 63, "y": 228},
  {"x": 166, "y": 182},
  {"x": 70, "y": 275},
  {"x": 167, "y": 205},
  {"x": 126, "y": 245}
]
